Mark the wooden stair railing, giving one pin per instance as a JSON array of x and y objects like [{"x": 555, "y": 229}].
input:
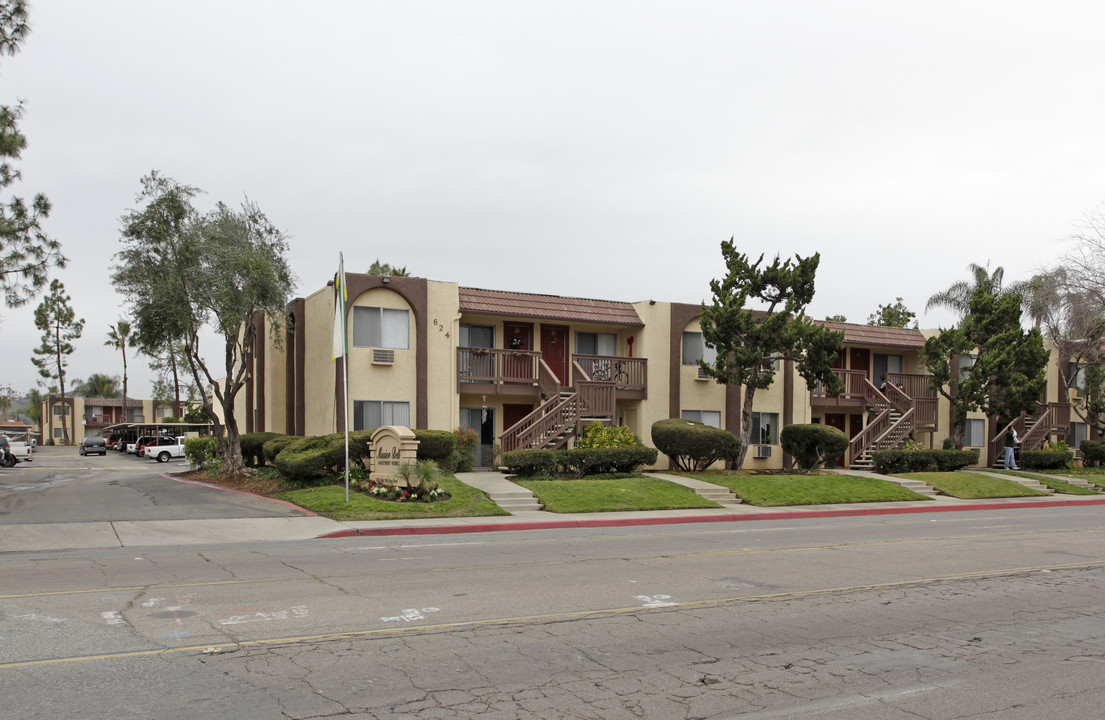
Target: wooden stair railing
[{"x": 559, "y": 416}]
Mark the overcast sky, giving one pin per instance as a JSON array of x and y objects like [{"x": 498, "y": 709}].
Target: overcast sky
[{"x": 595, "y": 149}]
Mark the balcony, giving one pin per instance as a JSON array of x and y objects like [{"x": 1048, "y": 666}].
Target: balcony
[{"x": 491, "y": 371}]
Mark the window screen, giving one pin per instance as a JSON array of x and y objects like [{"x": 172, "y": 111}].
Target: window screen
[{"x": 381, "y": 327}]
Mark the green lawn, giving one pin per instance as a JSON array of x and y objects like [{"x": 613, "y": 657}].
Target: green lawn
[
  {"x": 329, "y": 501},
  {"x": 967, "y": 486},
  {"x": 599, "y": 495},
  {"x": 1055, "y": 484},
  {"x": 776, "y": 490}
]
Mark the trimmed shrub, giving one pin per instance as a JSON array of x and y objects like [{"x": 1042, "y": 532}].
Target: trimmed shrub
[
  {"x": 1093, "y": 453},
  {"x": 596, "y": 461},
  {"x": 692, "y": 445},
  {"x": 531, "y": 463},
  {"x": 201, "y": 451},
  {"x": 253, "y": 453},
  {"x": 894, "y": 462},
  {"x": 271, "y": 448},
  {"x": 311, "y": 457},
  {"x": 436, "y": 445},
  {"x": 597, "y": 435},
  {"x": 1046, "y": 459},
  {"x": 813, "y": 445},
  {"x": 467, "y": 441}
]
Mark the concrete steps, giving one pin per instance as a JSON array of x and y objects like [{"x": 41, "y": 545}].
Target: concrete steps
[
  {"x": 916, "y": 486},
  {"x": 513, "y": 501}
]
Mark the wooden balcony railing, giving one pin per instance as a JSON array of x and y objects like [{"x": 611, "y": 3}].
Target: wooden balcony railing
[
  {"x": 625, "y": 372},
  {"x": 853, "y": 381},
  {"x": 522, "y": 368},
  {"x": 497, "y": 367}
]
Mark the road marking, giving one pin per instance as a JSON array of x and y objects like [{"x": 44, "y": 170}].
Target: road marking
[
  {"x": 652, "y": 601},
  {"x": 568, "y": 615},
  {"x": 410, "y": 615}
]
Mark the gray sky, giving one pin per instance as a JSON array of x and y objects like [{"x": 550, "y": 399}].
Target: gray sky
[{"x": 598, "y": 149}]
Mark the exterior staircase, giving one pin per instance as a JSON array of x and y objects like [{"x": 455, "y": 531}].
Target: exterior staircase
[
  {"x": 564, "y": 412},
  {"x": 891, "y": 425}
]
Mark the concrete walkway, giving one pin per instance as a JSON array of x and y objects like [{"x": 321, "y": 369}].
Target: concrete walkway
[{"x": 62, "y": 536}]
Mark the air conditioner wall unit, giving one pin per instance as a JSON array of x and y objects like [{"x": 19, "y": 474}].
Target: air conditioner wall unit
[
  {"x": 763, "y": 451},
  {"x": 383, "y": 357}
]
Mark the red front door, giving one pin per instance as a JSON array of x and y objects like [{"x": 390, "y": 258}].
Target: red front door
[
  {"x": 554, "y": 350},
  {"x": 839, "y": 421},
  {"x": 519, "y": 337}
]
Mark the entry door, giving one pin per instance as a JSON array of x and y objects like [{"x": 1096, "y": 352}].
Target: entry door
[
  {"x": 482, "y": 420},
  {"x": 885, "y": 364},
  {"x": 838, "y": 421},
  {"x": 518, "y": 369},
  {"x": 554, "y": 349}
]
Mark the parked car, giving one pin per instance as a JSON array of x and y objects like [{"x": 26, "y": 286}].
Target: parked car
[
  {"x": 7, "y": 458},
  {"x": 92, "y": 446},
  {"x": 17, "y": 448},
  {"x": 115, "y": 441},
  {"x": 165, "y": 448},
  {"x": 139, "y": 445}
]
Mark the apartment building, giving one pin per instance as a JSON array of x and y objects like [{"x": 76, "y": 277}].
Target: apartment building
[{"x": 529, "y": 370}]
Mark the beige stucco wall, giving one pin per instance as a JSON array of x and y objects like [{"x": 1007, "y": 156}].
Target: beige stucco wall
[
  {"x": 443, "y": 336},
  {"x": 319, "y": 414}
]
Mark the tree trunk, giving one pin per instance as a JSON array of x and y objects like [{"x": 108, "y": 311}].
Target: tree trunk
[
  {"x": 746, "y": 424},
  {"x": 124, "y": 347},
  {"x": 61, "y": 385}
]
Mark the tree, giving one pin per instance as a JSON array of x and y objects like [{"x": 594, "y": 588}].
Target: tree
[
  {"x": 748, "y": 342},
  {"x": 836, "y": 318},
  {"x": 379, "y": 268},
  {"x": 182, "y": 272},
  {"x": 958, "y": 296},
  {"x": 35, "y": 398},
  {"x": 60, "y": 327},
  {"x": 26, "y": 252},
  {"x": 97, "y": 385},
  {"x": 1009, "y": 371},
  {"x": 168, "y": 383},
  {"x": 896, "y": 315},
  {"x": 118, "y": 336}
]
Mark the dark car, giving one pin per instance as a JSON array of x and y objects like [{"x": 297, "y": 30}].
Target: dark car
[
  {"x": 92, "y": 446},
  {"x": 7, "y": 457}
]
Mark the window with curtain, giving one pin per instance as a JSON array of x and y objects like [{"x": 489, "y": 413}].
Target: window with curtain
[
  {"x": 477, "y": 336},
  {"x": 371, "y": 414},
  {"x": 1079, "y": 431},
  {"x": 706, "y": 417},
  {"x": 589, "y": 343},
  {"x": 378, "y": 327},
  {"x": 974, "y": 433},
  {"x": 765, "y": 428},
  {"x": 694, "y": 349}
]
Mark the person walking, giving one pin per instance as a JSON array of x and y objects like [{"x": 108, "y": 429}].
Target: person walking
[{"x": 1011, "y": 442}]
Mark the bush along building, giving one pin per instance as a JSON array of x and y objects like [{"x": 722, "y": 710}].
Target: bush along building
[{"x": 529, "y": 371}]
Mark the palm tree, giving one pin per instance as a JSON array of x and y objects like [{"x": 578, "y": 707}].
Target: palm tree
[
  {"x": 958, "y": 296},
  {"x": 118, "y": 336}
]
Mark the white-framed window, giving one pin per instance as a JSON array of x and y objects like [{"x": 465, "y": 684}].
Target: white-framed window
[
  {"x": 591, "y": 343},
  {"x": 706, "y": 417},
  {"x": 477, "y": 336},
  {"x": 371, "y": 414},
  {"x": 765, "y": 428},
  {"x": 1079, "y": 431},
  {"x": 163, "y": 411},
  {"x": 694, "y": 349},
  {"x": 1076, "y": 377},
  {"x": 966, "y": 362},
  {"x": 59, "y": 432},
  {"x": 379, "y": 327},
  {"x": 974, "y": 433}
]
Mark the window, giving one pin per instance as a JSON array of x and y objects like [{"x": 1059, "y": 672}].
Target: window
[
  {"x": 371, "y": 414},
  {"x": 381, "y": 328},
  {"x": 1079, "y": 431},
  {"x": 974, "y": 433},
  {"x": 1076, "y": 377},
  {"x": 765, "y": 428},
  {"x": 966, "y": 362},
  {"x": 61, "y": 409},
  {"x": 589, "y": 343},
  {"x": 694, "y": 349},
  {"x": 477, "y": 336},
  {"x": 706, "y": 417},
  {"x": 59, "y": 432},
  {"x": 162, "y": 412}
]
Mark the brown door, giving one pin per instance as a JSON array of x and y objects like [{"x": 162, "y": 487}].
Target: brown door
[
  {"x": 513, "y": 414},
  {"x": 837, "y": 420},
  {"x": 861, "y": 359},
  {"x": 518, "y": 369},
  {"x": 554, "y": 350}
]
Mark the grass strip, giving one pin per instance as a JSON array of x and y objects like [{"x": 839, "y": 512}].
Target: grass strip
[
  {"x": 329, "y": 501},
  {"x": 778, "y": 490},
  {"x": 1059, "y": 486},
  {"x": 621, "y": 494},
  {"x": 970, "y": 485}
]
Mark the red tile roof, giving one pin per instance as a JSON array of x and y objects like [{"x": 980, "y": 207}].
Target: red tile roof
[
  {"x": 876, "y": 335},
  {"x": 547, "y": 307}
]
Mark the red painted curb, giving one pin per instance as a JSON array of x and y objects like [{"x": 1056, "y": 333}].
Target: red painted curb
[
  {"x": 239, "y": 492},
  {"x": 629, "y": 522}
]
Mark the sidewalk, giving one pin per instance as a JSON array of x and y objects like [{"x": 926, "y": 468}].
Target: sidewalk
[{"x": 64, "y": 536}]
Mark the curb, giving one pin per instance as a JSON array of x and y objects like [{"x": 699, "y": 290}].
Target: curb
[
  {"x": 239, "y": 492},
  {"x": 630, "y": 522}
]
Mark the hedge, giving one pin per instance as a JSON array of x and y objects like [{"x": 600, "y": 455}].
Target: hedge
[
  {"x": 436, "y": 445},
  {"x": 893, "y": 462},
  {"x": 692, "y": 445},
  {"x": 597, "y": 435},
  {"x": 202, "y": 450},
  {"x": 578, "y": 461},
  {"x": 1093, "y": 453},
  {"x": 813, "y": 445},
  {"x": 1046, "y": 459},
  {"x": 311, "y": 457},
  {"x": 272, "y": 448},
  {"x": 253, "y": 444}
]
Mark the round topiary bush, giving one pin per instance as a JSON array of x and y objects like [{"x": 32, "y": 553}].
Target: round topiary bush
[
  {"x": 271, "y": 448},
  {"x": 694, "y": 446},
  {"x": 253, "y": 444},
  {"x": 311, "y": 457},
  {"x": 813, "y": 445}
]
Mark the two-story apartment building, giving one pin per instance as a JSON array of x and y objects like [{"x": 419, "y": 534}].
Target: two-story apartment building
[{"x": 529, "y": 370}]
